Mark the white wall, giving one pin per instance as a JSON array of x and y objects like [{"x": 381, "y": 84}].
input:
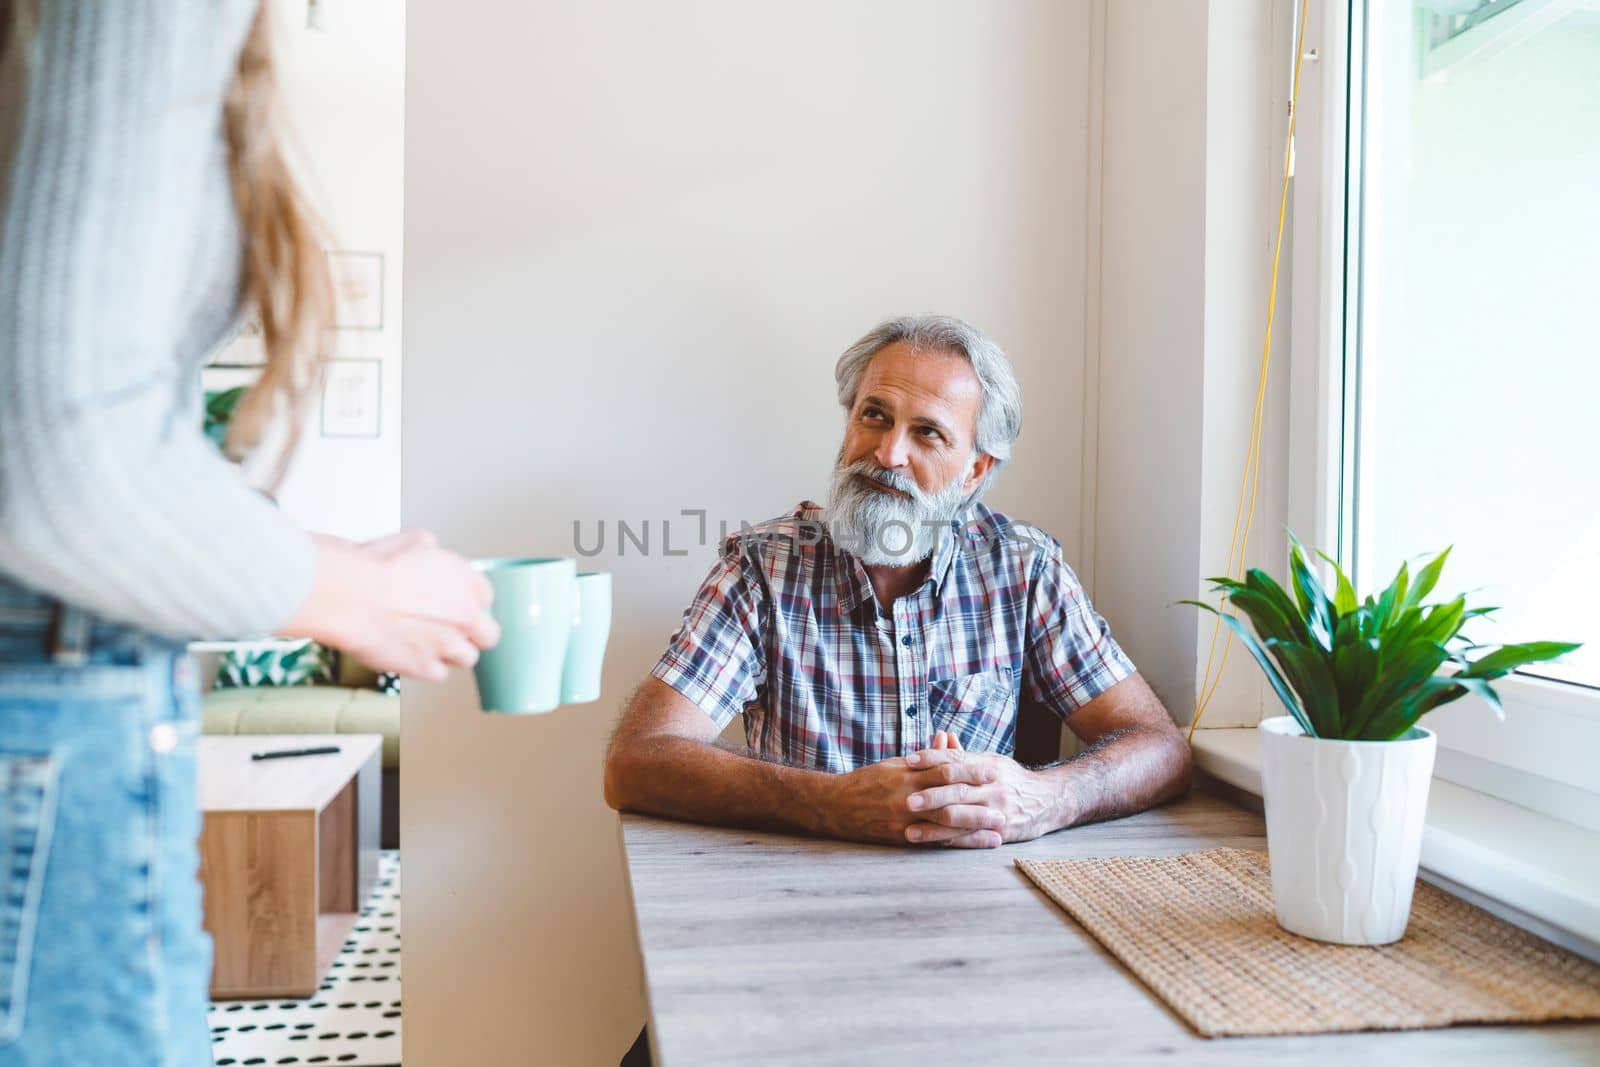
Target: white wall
[
  {"x": 1249, "y": 54},
  {"x": 638, "y": 235},
  {"x": 1152, "y": 335},
  {"x": 1191, "y": 160}
]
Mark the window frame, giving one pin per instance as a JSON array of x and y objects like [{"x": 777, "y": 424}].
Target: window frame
[{"x": 1533, "y": 757}]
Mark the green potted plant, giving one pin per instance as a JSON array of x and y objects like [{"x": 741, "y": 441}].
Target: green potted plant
[
  {"x": 1344, "y": 776},
  {"x": 220, "y": 405}
]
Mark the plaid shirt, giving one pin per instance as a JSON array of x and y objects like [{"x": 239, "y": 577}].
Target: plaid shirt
[{"x": 787, "y": 632}]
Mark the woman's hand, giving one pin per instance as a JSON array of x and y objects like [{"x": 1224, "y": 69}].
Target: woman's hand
[{"x": 400, "y": 603}]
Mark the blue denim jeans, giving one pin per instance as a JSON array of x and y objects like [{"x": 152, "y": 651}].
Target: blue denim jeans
[{"x": 103, "y": 961}]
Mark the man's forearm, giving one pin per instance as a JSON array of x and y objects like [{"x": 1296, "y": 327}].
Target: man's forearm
[
  {"x": 683, "y": 778},
  {"x": 1126, "y": 773}
]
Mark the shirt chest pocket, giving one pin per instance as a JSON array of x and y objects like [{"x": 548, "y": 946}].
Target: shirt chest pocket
[{"x": 978, "y": 708}]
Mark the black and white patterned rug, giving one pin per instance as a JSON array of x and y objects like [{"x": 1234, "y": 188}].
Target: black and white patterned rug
[{"x": 354, "y": 1018}]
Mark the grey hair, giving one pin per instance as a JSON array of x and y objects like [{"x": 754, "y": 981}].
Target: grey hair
[{"x": 999, "y": 417}]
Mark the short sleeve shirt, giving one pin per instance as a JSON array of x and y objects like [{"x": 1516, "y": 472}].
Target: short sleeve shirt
[{"x": 786, "y": 631}]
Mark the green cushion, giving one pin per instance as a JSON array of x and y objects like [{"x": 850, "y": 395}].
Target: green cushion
[{"x": 306, "y": 709}]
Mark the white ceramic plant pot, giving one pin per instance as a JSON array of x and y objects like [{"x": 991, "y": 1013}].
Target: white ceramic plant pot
[{"x": 1344, "y": 830}]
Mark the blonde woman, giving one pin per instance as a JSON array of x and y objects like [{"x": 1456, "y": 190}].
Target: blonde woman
[{"x": 144, "y": 204}]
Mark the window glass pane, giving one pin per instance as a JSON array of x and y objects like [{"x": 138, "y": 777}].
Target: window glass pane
[{"x": 1477, "y": 418}]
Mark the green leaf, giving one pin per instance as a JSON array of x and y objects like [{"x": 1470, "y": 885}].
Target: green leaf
[
  {"x": 1443, "y": 621},
  {"x": 1481, "y": 687},
  {"x": 1344, "y": 599},
  {"x": 219, "y": 409},
  {"x": 1271, "y": 615},
  {"x": 1427, "y": 578},
  {"x": 1355, "y": 665},
  {"x": 1438, "y": 691},
  {"x": 220, "y": 404},
  {"x": 1399, "y": 672},
  {"x": 1508, "y": 658},
  {"x": 1294, "y": 625},
  {"x": 1279, "y": 685},
  {"x": 1308, "y": 592},
  {"x": 1443, "y": 689},
  {"x": 1307, "y": 670},
  {"x": 1266, "y": 615},
  {"x": 1391, "y": 599},
  {"x": 1400, "y": 718},
  {"x": 1402, "y": 582}
]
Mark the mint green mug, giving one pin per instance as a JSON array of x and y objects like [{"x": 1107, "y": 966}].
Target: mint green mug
[
  {"x": 586, "y": 649},
  {"x": 534, "y": 602}
]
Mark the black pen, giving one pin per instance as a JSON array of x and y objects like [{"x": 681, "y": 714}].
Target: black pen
[{"x": 325, "y": 750}]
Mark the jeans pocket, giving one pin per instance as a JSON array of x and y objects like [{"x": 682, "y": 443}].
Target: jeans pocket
[{"x": 27, "y": 815}]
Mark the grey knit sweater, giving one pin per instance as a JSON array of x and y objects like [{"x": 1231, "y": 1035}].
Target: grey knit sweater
[{"x": 120, "y": 270}]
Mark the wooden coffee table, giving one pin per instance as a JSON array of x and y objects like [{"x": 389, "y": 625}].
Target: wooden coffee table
[{"x": 288, "y": 851}]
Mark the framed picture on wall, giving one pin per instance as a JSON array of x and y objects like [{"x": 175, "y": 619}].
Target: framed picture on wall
[
  {"x": 246, "y": 348},
  {"x": 357, "y": 290},
  {"x": 352, "y": 398},
  {"x": 355, "y": 344}
]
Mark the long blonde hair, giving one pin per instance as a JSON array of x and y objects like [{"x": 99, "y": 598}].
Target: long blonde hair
[{"x": 286, "y": 274}]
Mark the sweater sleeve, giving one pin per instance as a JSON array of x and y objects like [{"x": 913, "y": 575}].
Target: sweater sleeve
[{"x": 119, "y": 262}]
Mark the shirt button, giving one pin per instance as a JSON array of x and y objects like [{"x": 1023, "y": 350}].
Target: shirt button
[
  {"x": 163, "y": 737},
  {"x": 911, "y": 710},
  {"x": 906, "y": 640}
]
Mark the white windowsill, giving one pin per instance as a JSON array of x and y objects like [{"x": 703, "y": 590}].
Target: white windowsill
[{"x": 1534, "y": 870}]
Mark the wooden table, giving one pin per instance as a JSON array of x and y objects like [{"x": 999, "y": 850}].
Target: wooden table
[
  {"x": 768, "y": 949},
  {"x": 288, "y": 851}
]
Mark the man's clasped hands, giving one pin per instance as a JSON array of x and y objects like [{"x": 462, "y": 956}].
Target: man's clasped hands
[{"x": 944, "y": 796}]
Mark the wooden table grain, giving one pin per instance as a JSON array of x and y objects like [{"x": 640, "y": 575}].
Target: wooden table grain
[
  {"x": 764, "y": 948},
  {"x": 288, "y": 851}
]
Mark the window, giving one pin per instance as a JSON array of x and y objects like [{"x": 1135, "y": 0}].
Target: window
[
  {"x": 1477, "y": 413},
  {"x": 1452, "y": 268}
]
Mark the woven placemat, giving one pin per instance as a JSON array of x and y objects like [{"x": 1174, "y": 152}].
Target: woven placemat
[{"x": 1198, "y": 929}]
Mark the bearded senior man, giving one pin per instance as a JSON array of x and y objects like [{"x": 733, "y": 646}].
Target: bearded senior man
[{"x": 878, "y": 649}]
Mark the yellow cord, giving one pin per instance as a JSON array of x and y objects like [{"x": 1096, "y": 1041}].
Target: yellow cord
[{"x": 1251, "y": 477}]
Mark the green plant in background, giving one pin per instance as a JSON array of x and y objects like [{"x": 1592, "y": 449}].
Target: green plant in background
[
  {"x": 1368, "y": 670},
  {"x": 220, "y": 405},
  {"x": 307, "y": 664}
]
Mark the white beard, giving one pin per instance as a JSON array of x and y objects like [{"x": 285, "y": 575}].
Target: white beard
[{"x": 885, "y": 530}]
